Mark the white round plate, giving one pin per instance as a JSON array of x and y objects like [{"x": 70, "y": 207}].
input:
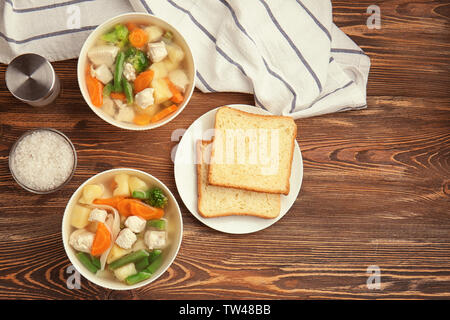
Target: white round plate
[{"x": 186, "y": 177}]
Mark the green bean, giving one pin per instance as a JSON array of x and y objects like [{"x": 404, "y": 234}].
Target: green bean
[
  {"x": 85, "y": 259},
  {"x": 108, "y": 89},
  {"x": 154, "y": 265},
  {"x": 142, "y": 264},
  {"x": 128, "y": 89},
  {"x": 140, "y": 194},
  {"x": 138, "y": 277},
  {"x": 96, "y": 262},
  {"x": 132, "y": 257},
  {"x": 154, "y": 254},
  {"x": 118, "y": 72},
  {"x": 159, "y": 224}
]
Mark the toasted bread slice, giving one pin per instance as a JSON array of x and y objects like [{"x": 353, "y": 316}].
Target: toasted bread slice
[
  {"x": 216, "y": 201},
  {"x": 252, "y": 152}
]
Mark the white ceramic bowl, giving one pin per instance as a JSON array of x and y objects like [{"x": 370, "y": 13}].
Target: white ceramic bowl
[
  {"x": 175, "y": 230},
  {"x": 143, "y": 18}
]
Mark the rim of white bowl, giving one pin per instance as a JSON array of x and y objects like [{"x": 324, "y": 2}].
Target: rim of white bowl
[
  {"x": 95, "y": 279},
  {"x": 97, "y": 111}
]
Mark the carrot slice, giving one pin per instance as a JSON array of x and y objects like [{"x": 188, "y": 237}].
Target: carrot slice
[
  {"x": 102, "y": 240},
  {"x": 131, "y": 26},
  {"x": 133, "y": 207},
  {"x": 95, "y": 89},
  {"x": 138, "y": 37},
  {"x": 118, "y": 95},
  {"x": 177, "y": 96},
  {"x": 143, "y": 80},
  {"x": 164, "y": 113},
  {"x": 109, "y": 201},
  {"x": 142, "y": 119}
]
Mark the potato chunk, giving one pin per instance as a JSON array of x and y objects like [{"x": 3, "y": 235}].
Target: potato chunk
[
  {"x": 162, "y": 92},
  {"x": 122, "y": 188},
  {"x": 137, "y": 184},
  {"x": 91, "y": 192},
  {"x": 79, "y": 217}
]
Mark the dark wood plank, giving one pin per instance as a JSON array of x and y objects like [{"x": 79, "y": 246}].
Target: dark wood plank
[{"x": 375, "y": 191}]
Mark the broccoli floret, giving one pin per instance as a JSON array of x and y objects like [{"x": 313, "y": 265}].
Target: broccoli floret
[
  {"x": 118, "y": 36},
  {"x": 157, "y": 198},
  {"x": 137, "y": 58}
]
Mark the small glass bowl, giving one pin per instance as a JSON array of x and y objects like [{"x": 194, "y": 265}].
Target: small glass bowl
[{"x": 13, "y": 149}]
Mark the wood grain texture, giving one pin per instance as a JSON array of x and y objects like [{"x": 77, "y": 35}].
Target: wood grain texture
[{"x": 376, "y": 187}]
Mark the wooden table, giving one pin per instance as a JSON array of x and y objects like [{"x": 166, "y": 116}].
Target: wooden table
[{"x": 375, "y": 190}]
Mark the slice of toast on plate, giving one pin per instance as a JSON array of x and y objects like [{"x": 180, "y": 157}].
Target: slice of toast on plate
[
  {"x": 252, "y": 152},
  {"x": 216, "y": 201}
]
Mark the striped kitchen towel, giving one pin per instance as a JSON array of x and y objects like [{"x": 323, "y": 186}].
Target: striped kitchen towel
[{"x": 287, "y": 52}]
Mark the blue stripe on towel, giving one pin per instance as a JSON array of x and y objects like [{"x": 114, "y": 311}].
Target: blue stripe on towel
[
  {"x": 324, "y": 96},
  {"x": 320, "y": 25},
  {"x": 50, "y": 6},
  {"x": 47, "y": 35},
  {"x": 212, "y": 38},
  {"x": 293, "y": 46},
  {"x": 271, "y": 72},
  {"x": 352, "y": 51},
  {"x": 202, "y": 80},
  {"x": 146, "y": 7}
]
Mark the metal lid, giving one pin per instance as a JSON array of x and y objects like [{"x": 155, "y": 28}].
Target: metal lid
[{"x": 30, "y": 77}]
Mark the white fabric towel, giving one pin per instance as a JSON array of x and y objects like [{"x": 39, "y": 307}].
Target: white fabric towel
[{"x": 287, "y": 52}]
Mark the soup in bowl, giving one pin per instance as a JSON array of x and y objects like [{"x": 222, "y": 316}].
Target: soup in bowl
[
  {"x": 136, "y": 71},
  {"x": 122, "y": 229}
]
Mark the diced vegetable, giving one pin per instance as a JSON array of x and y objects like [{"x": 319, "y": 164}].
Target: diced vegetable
[
  {"x": 154, "y": 265},
  {"x": 168, "y": 36},
  {"x": 159, "y": 224},
  {"x": 137, "y": 184},
  {"x": 157, "y": 198},
  {"x": 118, "y": 72},
  {"x": 118, "y": 36},
  {"x": 138, "y": 37},
  {"x": 129, "y": 258},
  {"x": 118, "y": 96},
  {"x": 108, "y": 89},
  {"x": 143, "y": 80},
  {"x": 139, "y": 245},
  {"x": 80, "y": 216},
  {"x": 143, "y": 195},
  {"x": 95, "y": 90},
  {"x": 179, "y": 79},
  {"x": 159, "y": 69},
  {"x": 131, "y": 26},
  {"x": 116, "y": 253},
  {"x": 142, "y": 264},
  {"x": 139, "y": 277},
  {"x": 122, "y": 188},
  {"x": 162, "y": 92},
  {"x": 109, "y": 201},
  {"x": 154, "y": 33},
  {"x": 137, "y": 58},
  {"x": 142, "y": 119},
  {"x": 85, "y": 259},
  {"x": 91, "y": 192},
  {"x": 128, "y": 89},
  {"x": 154, "y": 254},
  {"x": 102, "y": 240},
  {"x": 177, "y": 97},
  {"x": 164, "y": 113},
  {"x": 125, "y": 271},
  {"x": 175, "y": 53},
  {"x": 96, "y": 262},
  {"x": 135, "y": 207}
]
